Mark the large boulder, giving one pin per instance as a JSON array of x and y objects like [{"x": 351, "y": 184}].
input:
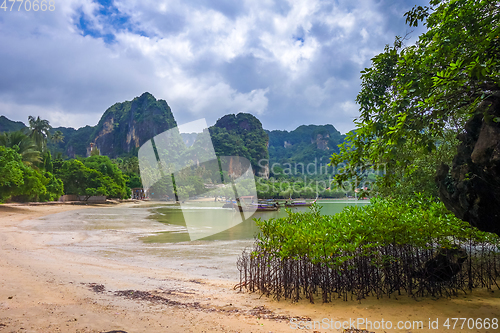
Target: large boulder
[{"x": 471, "y": 187}]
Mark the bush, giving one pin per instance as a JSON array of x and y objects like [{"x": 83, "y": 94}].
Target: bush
[{"x": 377, "y": 249}]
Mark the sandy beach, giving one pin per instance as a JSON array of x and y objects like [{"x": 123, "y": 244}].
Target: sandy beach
[{"x": 44, "y": 287}]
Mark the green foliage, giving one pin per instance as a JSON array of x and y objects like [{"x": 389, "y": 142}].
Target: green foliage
[
  {"x": 296, "y": 187},
  {"x": 130, "y": 167},
  {"x": 147, "y": 115},
  {"x": 39, "y": 132},
  {"x": 144, "y": 116},
  {"x": 419, "y": 174},
  {"x": 375, "y": 249},
  {"x": 79, "y": 141},
  {"x": 54, "y": 186},
  {"x": 95, "y": 152},
  {"x": 73, "y": 174},
  {"x": 47, "y": 162},
  {"x": 422, "y": 223},
  {"x": 25, "y": 146},
  {"x": 7, "y": 125},
  {"x": 413, "y": 96},
  {"x": 11, "y": 169},
  {"x": 33, "y": 186},
  {"x": 304, "y": 145},
  {"x": 24, "y": 183},
  {"x": 96, "y": 175},
  {"x": 57, "y": 137},
  {"x": 240, "y": 135},
  {"x": 186, "y": 183},
  {"x": 134, "y": 181},
  {"x": 59, "y": 140},
  {"x": 56, "y": 142},
  {"x": 163, "y": 188}
]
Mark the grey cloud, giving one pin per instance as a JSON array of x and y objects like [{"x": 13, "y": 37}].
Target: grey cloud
[
  {"x": 45, "y": 62},
  {"x": 246, "y": 73}
]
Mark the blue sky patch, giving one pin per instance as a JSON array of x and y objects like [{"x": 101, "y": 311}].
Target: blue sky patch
[
  {"x": 300, "y": 39},
  {"x": 88, "y": 28},
  {"x": 110, "y": 20}
]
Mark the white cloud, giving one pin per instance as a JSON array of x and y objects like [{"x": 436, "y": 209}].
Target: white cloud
[
  {"x": 364, "y": 34},
  {"x": 56, "y": 117},
  {"x": 315, "y": 95},
  {"x": 202, "y": 99},
  {"x": 299, "y": 59},
  {"x": 349, "y": 108}
]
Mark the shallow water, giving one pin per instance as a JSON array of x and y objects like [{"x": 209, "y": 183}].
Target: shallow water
[
  {"x": 243, "y": 231},
  {"x": 129, "y": 234}
]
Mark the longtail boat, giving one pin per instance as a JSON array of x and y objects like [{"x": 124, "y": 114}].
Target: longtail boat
[
  {"x": 260, "y": 207},
  {"x": 264, "y": 207},
  {"x": 299, "y": 203}
]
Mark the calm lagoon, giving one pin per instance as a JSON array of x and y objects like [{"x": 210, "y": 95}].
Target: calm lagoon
[{"x": 173, "y": 215}]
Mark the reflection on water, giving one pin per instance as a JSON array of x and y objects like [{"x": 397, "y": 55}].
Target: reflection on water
[{"x": 247, "y": 230}]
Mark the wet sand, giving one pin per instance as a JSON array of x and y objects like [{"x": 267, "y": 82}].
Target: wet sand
[{"x": 56, "y": 277}]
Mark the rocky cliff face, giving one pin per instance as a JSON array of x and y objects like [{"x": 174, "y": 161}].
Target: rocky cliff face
[
  {"x": 242, "y": 135},
  {"x": 471, "y": 187},
  {"x": 322, "y": 141},
  {"x": 124, "y": 127}
]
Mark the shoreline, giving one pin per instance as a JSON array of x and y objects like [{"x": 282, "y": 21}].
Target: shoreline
[{"x": 44, "y": 288}]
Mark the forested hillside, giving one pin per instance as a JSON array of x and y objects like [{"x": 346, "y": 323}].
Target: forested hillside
[
  {"x": 125, "y": 126},
  {"x": 122, "y": 129},
  {"x": 304, "y": 144},
  {"x": 7, "y": 125},
  {"x": 241, "y": 135}
]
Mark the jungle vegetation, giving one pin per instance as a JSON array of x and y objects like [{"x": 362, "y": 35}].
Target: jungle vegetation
[
  {"x": 414, "y": 100},
  {"x": 29, "y": 173}
]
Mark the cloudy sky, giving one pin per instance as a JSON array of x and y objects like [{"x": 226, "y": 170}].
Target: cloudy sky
[{"x": 287, "y": 62}]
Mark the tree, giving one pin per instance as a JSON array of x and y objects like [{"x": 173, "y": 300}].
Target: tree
[
  {"x": 39, "y": 131},
  {"x": 54, "y": 186},
  {"x": 414, "y": 96},
  {"x": 25, "y": 146},
  {"x": 104, "y": 165},
  {"x": 47, "y": 162},
  {"x": 95, "y": 152},
  {"x": 74, "y": 176},
  {"x": 240, "y": 135},
  {"x": 130, "y": 167},
  {"x": 24, "y": 183},
  {"x": 96, "y": 175},
  {"x": 57, "y": 137},
  {"x": 11, "y": 169}
]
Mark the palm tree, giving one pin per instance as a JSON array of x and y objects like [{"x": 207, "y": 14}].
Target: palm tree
[
  {"x": 57, "y": 137},
  {"x": 25, "y": 145},
  {"x": 40, "y": 131}
]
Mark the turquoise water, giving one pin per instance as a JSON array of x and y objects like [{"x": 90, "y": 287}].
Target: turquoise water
[{"x": 245, "y": 230}]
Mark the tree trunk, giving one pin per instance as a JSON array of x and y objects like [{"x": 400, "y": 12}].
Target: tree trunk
[{"x": 471, "y": 189}]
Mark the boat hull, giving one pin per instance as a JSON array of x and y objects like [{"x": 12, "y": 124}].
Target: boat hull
[{"x": 251, "y": 209}]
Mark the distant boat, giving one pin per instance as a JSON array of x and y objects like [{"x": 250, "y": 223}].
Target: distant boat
[
  {"x": 258, "y": 207},
  {"x": 267, "y": 206},
  {"x": 299, "y": 203},
  {"x": 228, "y": 205}
]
